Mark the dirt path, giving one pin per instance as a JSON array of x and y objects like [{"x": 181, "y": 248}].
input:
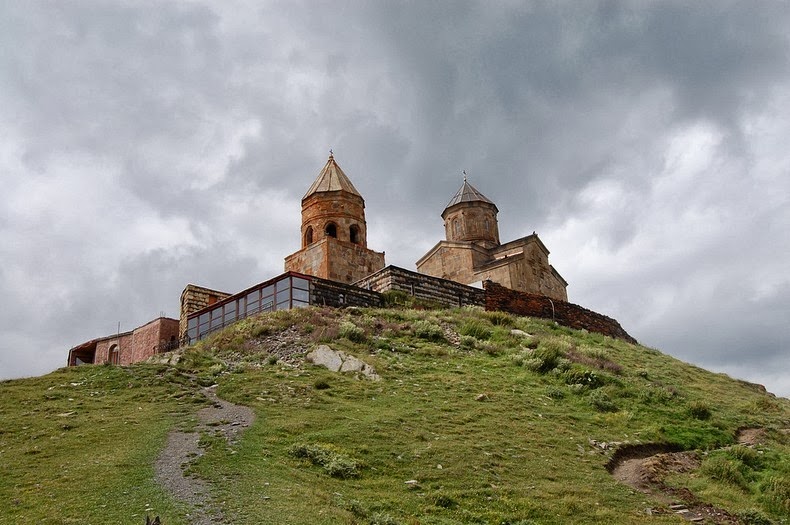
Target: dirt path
[
  {"x": 223, "y": 418},
  {"x": 644, "y": 468}
]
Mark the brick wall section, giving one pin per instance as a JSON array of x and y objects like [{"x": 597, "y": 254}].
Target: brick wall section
[
  {"x": 195, "y": 298},
  {"x": 147, "y": 338},
  {"x": 139, "y": 344},
  {"x": 567, "y": 314},
  {"x": 330, "y": 293},
  {"x": 442, "y": 291},
  {"x": 124, "y": 343}
]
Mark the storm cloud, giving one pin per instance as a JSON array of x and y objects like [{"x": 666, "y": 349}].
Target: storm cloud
[{"x": 146, "y": 145}]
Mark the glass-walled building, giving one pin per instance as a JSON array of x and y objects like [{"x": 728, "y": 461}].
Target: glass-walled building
[{"x": 287, "y": 291}]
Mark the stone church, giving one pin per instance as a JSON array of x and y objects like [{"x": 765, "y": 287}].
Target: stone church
[
  {"x": 334, "y": 241},
  {"x": 472, "y": 252},
  {"x": 334, "y": 231},
  {"x": 335, "y": 267}
]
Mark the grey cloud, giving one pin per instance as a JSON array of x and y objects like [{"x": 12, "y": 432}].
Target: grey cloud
[{"x": 173, "y": 144}]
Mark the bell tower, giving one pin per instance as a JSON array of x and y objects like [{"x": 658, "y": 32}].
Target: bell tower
[
  {"x": 471, "y": 217},
  {"x": 334, "y": 231}
]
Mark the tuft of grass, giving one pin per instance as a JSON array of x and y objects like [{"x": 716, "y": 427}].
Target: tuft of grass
[
  {"x": 500, "y": 318},
  {"x": 601, "y": 401},
  {"x": 476, "y": 329},
  {"x": 724, "y": 469},
  {"x": 351, "y": 332},
  {"x": 427, "y": 330},
  {"x": 335, "y": 462},
  {"x": 699, "y": 410},
  {"x": 775, "y": 492}
]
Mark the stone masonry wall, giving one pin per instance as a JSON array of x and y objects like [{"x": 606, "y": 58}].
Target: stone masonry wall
[
  {"x": 330, "y": 293},
  {"x": 567, "y": 314},
  {"x": 139, "y": 344},
  {"x": 147, "y": 338},
  {"x": 195, "y": 298},
  {"x": 124, "y": 342},
  {"x": 339, "y": 261},
  {"x": 442, "y": 291}
]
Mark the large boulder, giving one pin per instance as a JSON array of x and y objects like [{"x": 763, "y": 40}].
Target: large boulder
[{"x": 338, "y": 361}]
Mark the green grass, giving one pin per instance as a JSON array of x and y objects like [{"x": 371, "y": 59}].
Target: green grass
[
  {"x": 78, "y": 445},
  {"x": 331, "y": 448}
]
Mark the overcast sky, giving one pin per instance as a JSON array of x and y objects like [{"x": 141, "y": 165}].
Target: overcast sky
[{"x": 146, "y": 145}]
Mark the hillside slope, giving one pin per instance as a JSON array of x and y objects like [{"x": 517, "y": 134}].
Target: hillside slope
[{"x": 478, "y": 417}]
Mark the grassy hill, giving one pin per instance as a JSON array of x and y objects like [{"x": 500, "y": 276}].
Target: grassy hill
[{"x": 470, "y": 422}]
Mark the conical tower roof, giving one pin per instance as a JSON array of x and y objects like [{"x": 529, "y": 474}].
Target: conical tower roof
[
  {"x": 468, "y": 193},
  {"x": 331, "y": 178}
]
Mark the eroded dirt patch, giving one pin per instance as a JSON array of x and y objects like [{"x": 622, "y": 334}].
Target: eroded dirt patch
[
  {"x": 751, "y": 436},
  {"x": 645, "y": 467},
  {"x": 223, "y": 418}
]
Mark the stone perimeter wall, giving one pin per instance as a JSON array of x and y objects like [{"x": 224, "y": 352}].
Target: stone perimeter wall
[
  {"x": 422, "y": 286},
  {"x": 338, "y": 295},
  {"x": 567, "y": 314}
]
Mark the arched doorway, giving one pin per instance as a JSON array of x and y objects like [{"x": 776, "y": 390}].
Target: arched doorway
[{"x": 114, "y": 355}]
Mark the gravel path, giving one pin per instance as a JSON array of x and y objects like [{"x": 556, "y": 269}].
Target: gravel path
[{"x": 222, "y": 418}]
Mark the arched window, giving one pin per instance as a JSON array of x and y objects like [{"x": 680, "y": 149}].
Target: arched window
[
  {"x": 308, "y": 236},
  {"x": 487, "y": 225},
  {"x": 457, "y": 228},
  {"x": 113, "y": 357},
  {"x": 331, "y": 230},
  {"x": 354, "y": 233}
]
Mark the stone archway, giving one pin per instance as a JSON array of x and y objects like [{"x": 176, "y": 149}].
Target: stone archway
[{"x": 114, "y": 355}]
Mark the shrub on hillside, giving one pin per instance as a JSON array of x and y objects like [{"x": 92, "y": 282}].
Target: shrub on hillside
[
  {"x": 725, "y": 470},
  {"x": 428, "y": 330},
  {"x": 776, "y": 494},
  {"x": 543, "y": 359},
  {"x": 475, "y": 329},
  {"x": 351, "y": 332},
  {"x": 754, "y": 517},
  {"x": 588, "y": 378},
  {"x": 656, "y": 394},
  {"x": 601, "y": 401},
  {"x": 748, "y": 456},
  {"x": 334, "y": 462},
  {"x": 500, "y": 318},
  {"x": 699, "y": 410}
]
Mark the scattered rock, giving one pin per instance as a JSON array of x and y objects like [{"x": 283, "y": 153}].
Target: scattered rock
[
  {"x": 326, "y": 357},
  {"x": 519, "y": 333},
  {"x": 338, "y": 361},
  {"x": 481, "y": 397}
]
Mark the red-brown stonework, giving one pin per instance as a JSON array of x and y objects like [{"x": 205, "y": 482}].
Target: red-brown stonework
[
  {"x": 126, "y": 348},
  {"x": 567, "y": 314},
  {"x": 334, "y": 231}
]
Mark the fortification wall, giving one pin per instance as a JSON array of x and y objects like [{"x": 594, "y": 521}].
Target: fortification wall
[
  {"x": 422, "y": 286},
  {"x": 498, "y": 297},
  {"x": 332, "y": 293}
]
